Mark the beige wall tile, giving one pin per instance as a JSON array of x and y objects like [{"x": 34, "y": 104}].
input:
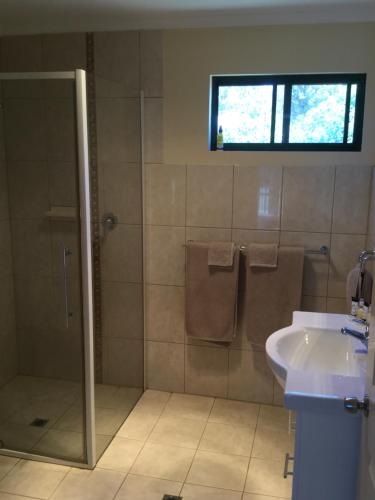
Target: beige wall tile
[
  {"x": 247, "y": 236},
  {"x": 175, "y": 431},
  {"x": 250, "y": 379},
  {"x": 122, "y": 310},
  {"x": 278, "y": 394},
  {"x": 307, "y": 199},
  {"x": 95, "y": 484},
  {"x": 164, "y": 462},
  {"x": 25, "y": 130},
  {"x": 218, "y": 470},
  {"x": 208, "y": 234},
  {"x": 6, "y": 265},
  {"x": 122, "y": 188},
  {"x": 314, "y": 304},
  {"x": 123, "y": 362},
  {"x": 118, "y": 125},
  {"x": 8, "y": 360},
  {"x": 265, "y": 477},
  {"x": 166, "y": 313},
  {"x": 62, "y": 183},
  {"x": 257, "y": 197},
  {"x": 352, "y": 197},
  {"x": 165, "y": 192},
  {"x": 153, "y": 130},
  {"x": 195, "y": 492},
  {"x": 209, "y": 196},
  {"x": 189, "y": 406},
  {"x": 31, "y": 247},
  {"x": 28, "y": 189},
  {"x": 165, "y": 255},
  {"x": 371, "y": 222},
  {"x": 315, "y": 271},
  {"x": 32, "y": 295},
  {"x": 227, "y": 438},
  {"x": 345, "y": 250},
  {"x": 4, "y": 206},
  {"x": 147, "y": 488},
  {"x": 7, "y": 306},
  {"x": 117, "y": 63},
  {"x": 152, "y": 54},
  {"x": 165, "y": 366},
  {"x": 122, "y": 254},
  {"x": 206, "y": 371},
  {"x": 338, "y": 306},
  {"x": 60, "y": 129},
  {"x": 64, "y": 51},
  {"x": 21, "y": 53}
]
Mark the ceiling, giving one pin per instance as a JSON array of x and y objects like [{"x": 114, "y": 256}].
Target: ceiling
[{"x": 44, "y": 16}]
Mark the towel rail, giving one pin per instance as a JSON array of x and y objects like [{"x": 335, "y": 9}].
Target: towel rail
[{"x": 323, "y": 250}]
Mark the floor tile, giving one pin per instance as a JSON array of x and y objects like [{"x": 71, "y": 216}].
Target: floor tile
[
  {"x": 265, "y": 477},
  {"x": 274, "y": 416},
  {"x": 272, "y": 444},
  {"x": 252, "y": 496},
  {"x": 226, "y": 411},
  {"x": 153, "y": 401},
  {"x": 189, "y": 406},
  {"x": 138, "y": 425},
  {"x": 35, "y": 479},
  {"x": 9, "y": 496},
  {"x": 6, "y": 465},
  {"x": 147, "y": 488},
  {"x": 164, "y": 462},
  {"x": 63, "y": 444},
  {"x": 227, "y": 438},
  {"x": 98, "y": 484},
  {"x": 175, "y": 431},
  {"x": 218, "y": 470},
  {"x": 195, "y": 492},
  {"x": 120, "y": 454},
  {"x": 20, "y": 437}
]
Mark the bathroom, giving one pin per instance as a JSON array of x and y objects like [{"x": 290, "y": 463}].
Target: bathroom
[{"x": 106, "y": 176}]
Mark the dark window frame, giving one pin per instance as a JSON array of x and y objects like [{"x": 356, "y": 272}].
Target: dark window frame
[{"x": 290, "y": 80}]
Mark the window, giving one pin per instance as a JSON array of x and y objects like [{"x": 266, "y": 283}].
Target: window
[{"x": 287, "y": 112}]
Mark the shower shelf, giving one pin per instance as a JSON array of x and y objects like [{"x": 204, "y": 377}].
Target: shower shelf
[{"x": 62, "y": 213}]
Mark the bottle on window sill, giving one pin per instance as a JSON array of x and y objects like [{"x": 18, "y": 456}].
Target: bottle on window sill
[{"x": 220, "y": 139}]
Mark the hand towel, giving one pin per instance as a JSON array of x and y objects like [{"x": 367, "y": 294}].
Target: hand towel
[
  {"x": 211, "y": 296},
  {"x": 358, "y": 285},
  {"x": 221, "y": 253},
  {"x": 263, "y": 255},
  {"x": 272, "y": 294}
]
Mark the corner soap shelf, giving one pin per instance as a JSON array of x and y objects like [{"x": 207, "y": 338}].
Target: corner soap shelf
[{"x": 62, "y": 213}]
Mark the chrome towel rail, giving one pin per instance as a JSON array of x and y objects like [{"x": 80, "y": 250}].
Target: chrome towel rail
[{"x": 323, "y": 250}]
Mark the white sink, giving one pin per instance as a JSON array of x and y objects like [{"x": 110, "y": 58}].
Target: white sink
[{"x": 313, "y": 358}]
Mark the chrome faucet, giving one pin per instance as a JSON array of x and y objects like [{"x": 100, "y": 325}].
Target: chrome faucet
[{"x": 363, "y": 336}]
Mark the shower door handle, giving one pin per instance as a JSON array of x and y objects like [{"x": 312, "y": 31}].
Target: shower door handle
[{"x": 66, "y": 253}]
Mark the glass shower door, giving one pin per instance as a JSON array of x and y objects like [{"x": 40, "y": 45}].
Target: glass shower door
[{"x": 46, "y": 340}]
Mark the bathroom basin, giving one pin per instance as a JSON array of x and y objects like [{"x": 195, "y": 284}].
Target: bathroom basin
[{"x": 312, "y": 358}]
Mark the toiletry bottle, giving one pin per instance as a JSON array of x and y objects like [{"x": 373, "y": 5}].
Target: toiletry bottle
[
  {"x": 220, "y": 139},
  {"x": 354, "y": 309}
]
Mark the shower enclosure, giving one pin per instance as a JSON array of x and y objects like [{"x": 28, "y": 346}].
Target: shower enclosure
[{"x": 47, "y": 383}]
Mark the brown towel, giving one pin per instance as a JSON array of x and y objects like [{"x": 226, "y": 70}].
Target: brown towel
[
  {"x": 220, "y": 253},
  {"x": 359, "y": 286},
  {"x": 272, "y": 294},
  {"x": 263, "y": 255},
  {"x": 211, "y": 296}
]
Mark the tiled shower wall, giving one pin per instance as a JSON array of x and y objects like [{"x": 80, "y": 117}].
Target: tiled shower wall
[
  {"x": 305, "y": 206},
  {"x": 8, "y": 342}
]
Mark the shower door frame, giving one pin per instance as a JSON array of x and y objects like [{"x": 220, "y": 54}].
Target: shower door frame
[{"x": 79, "y": 77}]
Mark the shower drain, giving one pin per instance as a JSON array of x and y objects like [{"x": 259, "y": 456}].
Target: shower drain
[{"x": 39, "y": 422}]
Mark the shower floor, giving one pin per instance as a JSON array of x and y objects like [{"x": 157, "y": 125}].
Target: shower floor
[{"x": 44, "y": 416}]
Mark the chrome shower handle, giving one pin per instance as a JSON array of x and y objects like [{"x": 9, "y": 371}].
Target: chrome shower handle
[{"x": 66, "y": 253}]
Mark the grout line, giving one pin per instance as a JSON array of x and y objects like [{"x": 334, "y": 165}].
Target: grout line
[{"x": 251, "y": 450}]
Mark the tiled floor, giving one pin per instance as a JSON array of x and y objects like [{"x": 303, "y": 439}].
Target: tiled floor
[
  {"x": 194, "y": 446},
  {"x": 60, "y": 402}
]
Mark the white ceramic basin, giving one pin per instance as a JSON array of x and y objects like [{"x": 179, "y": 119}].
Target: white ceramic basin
[{"x": 314, "y": 344}]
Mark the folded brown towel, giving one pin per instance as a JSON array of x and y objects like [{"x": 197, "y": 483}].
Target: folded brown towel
[
  {"x": 211, "y": 296},
  {"x": 263, "y": 255},
  {"x": 220, "y": 253},
  {"x": 272, "y": 294},
  {"x": 358, "y": 285}
]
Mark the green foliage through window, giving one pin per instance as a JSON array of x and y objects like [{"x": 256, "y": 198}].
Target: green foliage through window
[{"x": 288, "y": 112}]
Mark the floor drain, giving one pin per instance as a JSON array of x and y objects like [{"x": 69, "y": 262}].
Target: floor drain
[
  {"x": 39, "y": 422},
  {"x": 171, "y": 497}
]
